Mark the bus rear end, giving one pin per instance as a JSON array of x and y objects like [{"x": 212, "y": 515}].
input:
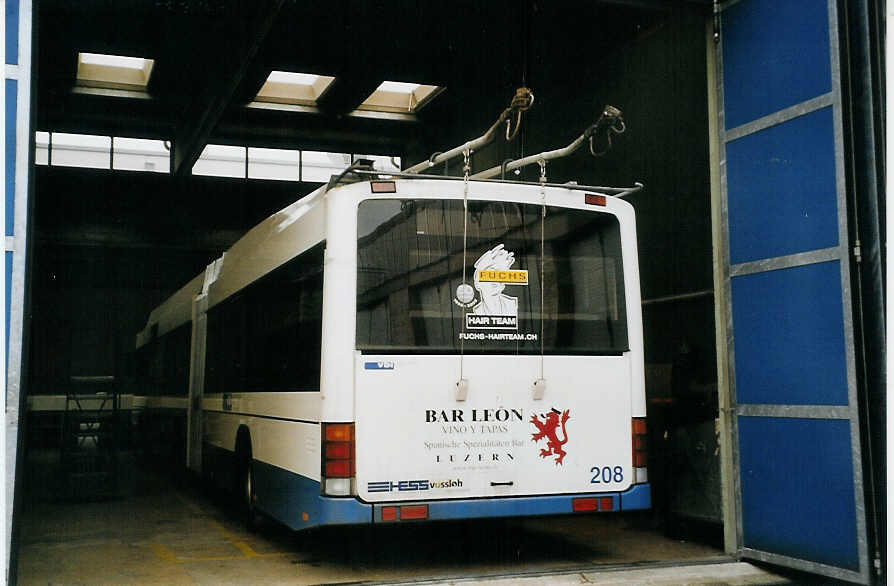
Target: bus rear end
[{"x": 497, "y": 353}]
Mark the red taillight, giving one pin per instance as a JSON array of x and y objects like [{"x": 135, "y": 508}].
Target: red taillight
[
  {"x": 640, "y": 452},
  {"x": 389, "y": 513},
  {"x": 588, "y": 504},
  {"x": 338, "y": 469},
  {"x": 409, "y": 512},
  {"x": 583, "y": 505},
  {"x": 404, "y": 512},
  {"x": 639, "y": 425},
  {"x": 594, "y": 199},
  {"x": 338, "y": 450},
  {"x": 338, "y": 432}
]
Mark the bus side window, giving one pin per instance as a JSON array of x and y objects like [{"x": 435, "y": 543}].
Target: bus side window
[{"x": 267, "y": 338}]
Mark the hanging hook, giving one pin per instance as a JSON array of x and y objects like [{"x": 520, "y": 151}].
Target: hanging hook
[
  {"x": 506, "y": 162},
  {"x": 617, "y": 127},
  {"x": 521, "y": 102}
]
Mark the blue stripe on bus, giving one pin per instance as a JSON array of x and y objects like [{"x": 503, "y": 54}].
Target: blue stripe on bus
[
  {"x": 639, "y": 496},
  {"x": 343, "y": 511},
  {"x": 289, "y": 497}
]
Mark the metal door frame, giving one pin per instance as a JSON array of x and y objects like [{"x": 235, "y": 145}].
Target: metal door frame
[{"x": 726, "y": 335}]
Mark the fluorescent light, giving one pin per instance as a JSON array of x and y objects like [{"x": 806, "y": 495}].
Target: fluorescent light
[
  {"x": 286, "y": 87},
  {"x": 113, "y": 71}
]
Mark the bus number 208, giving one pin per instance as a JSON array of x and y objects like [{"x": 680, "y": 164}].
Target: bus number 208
[{"x": 606, "y": 474}]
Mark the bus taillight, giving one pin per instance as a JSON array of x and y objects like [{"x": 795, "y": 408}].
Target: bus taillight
[
  {"x": 640, "y": 453},
  {"x": 338, "y": 458}
]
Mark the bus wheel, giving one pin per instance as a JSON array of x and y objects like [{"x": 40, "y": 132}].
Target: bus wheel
[
  {"x": 244, "y": 489},
  {"x": 248, "y": 495}
]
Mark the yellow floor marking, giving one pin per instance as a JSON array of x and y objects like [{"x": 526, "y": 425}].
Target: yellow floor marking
[
  {"x": 223, "y": 530},
  {"x": 245, "y": 548},
  {"x": 272, "y": 554},
  {"x": 164, "y": 553},
  {"x": 221, "y": 558}
]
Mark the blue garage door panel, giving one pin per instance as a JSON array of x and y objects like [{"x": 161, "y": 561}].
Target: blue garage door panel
[
  {"x": 798, "y": 490},
  {"x": 12, "y": 32},
  {"x": 789, "y": 334},
  {"x": 782, "y": 189},
  {"x": 775, "y": 55}
]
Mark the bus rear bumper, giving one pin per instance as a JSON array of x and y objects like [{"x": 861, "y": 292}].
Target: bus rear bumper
[
  {"x": 343, "y": 511},
  {"x": 296, "y": 500},
  {"x": 635, "y": 498}
]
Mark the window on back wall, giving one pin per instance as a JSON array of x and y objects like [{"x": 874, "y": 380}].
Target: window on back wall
[
  {"x": 42, "y": 148},
  {"x": 382, "y": 162},
  {"x": 319, "y": 166},
  {"x": 81, "y": 150},
  {"x": 221, "y": 161},
  {"x": 140, "y": 154},
  {"x": 101, "y": 152},
  {"x": 278, "y": 164}
]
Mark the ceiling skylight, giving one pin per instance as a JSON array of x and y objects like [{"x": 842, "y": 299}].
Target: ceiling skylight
[
  {"x": 113, "y": 71},
  {"x": 286, "y": 87},
  {"x": 399, "y": 96}
]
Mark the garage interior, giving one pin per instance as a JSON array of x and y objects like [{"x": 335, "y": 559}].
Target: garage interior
[{"x": 109, "y": 243}]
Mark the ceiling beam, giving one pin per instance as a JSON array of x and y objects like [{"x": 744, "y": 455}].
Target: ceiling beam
[
  {"x": 348, "y": 91},
  {"x": 232, "y": 59},
  {"x": 313, "y": 131}
]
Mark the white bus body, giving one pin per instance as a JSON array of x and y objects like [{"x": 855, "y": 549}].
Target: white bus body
[{"x": 342, "y": 374}]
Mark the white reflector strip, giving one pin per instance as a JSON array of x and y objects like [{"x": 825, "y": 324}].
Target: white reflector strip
[
  {"x": 640, "y": 475},
  {"x": 337, "y": 486}
]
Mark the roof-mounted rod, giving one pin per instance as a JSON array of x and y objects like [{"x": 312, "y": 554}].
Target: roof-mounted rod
[
  {"x": 610, "y": 119},
  {"x": 522, "y": 101},
  {"x": 619, "y": 192}
]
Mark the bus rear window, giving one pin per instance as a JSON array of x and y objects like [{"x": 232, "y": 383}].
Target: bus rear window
[{"x": 418, "y": 292}]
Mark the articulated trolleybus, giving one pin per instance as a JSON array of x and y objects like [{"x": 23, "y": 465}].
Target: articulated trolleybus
[{"x": 417, "y": 348}]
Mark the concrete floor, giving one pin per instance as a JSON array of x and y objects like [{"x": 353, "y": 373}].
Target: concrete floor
[{"x": 159, "y": 531}]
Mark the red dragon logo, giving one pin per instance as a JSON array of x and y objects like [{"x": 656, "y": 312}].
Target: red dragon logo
[{"x": 548, "y": 428}]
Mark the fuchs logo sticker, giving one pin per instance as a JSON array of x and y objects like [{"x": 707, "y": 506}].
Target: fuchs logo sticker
[
  {"x": 491, "y": 309},
  {"x": 548, "y": 429}
]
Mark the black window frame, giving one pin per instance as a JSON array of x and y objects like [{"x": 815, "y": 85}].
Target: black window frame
[
  {"x": 263, "y": 339},
  {"x": 580, "y": 223}
]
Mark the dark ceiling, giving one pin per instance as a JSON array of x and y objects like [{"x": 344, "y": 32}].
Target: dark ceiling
[{"x": 212, "y": 56}]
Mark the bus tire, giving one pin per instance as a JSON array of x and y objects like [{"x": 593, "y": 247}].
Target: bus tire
[{"x": 243, "y": 476}]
